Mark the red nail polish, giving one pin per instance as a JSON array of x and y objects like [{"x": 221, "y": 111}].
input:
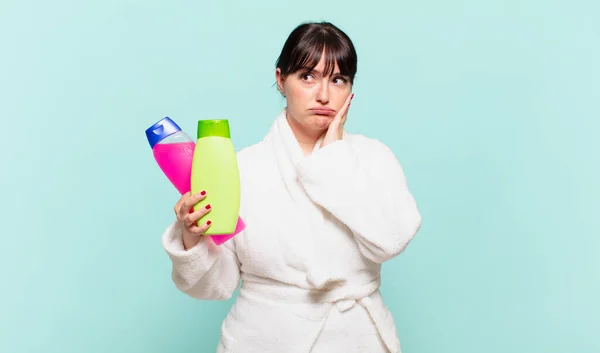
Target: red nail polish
[
  {"x": 351, "y": 98},
  {"x": 203, "y": 193},
  {"x": 208, "y": 222},
  {"x": 207, "y": 207}
]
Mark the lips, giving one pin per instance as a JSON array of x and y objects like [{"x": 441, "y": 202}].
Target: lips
[{"x": 322, "y": 111}]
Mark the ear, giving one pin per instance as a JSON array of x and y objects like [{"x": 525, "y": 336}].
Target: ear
[{"x": 280, "y": 79}]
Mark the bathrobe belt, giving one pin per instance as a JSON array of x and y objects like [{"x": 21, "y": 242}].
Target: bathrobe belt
[{"x": 339, "y": 298}]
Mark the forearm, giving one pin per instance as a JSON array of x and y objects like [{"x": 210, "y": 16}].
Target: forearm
[
  {"x": 203, "y": 271},
  {"x": 190, "y": 240},
  {"x": 371, "y": 199}
]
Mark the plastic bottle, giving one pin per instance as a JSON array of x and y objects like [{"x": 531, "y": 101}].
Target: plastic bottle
[
  {"x": 173, "y": 151},
  {"x": 215, "y": 169}
]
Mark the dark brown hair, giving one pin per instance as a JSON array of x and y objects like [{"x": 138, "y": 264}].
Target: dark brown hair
[{"x": 304, "y": 47}]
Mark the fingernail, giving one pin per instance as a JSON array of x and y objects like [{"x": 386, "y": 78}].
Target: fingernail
[
  {"x": 208, "y": 222},
  {"x": 351, "y": 98},
  {"x": 203, "y": 193},
  {"x": 207, "y": 207}
]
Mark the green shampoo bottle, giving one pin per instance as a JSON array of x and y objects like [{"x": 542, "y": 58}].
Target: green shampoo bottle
[{"x": 215, "y": 169}]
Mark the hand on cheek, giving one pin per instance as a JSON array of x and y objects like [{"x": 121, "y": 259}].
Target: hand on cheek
[{"x": 336, "y": 128}]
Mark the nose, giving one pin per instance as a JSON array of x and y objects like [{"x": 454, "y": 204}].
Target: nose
[{"x": 323, "y": 92}]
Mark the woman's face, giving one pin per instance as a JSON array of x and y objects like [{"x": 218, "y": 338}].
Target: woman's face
[{"x": 313, "y": 99}]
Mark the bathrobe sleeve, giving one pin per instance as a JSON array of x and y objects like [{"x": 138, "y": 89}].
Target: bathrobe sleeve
[
  {"x": 205, "y": 271},
  {"x": 369, "y": 196}
]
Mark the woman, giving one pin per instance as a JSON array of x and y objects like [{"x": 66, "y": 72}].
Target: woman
[{"x": 324, "y": 209}]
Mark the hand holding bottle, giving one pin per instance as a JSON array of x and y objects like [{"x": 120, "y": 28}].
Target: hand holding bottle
[
  {"x": 192, "y": 230},
  {"x": 177, "y": 154}
]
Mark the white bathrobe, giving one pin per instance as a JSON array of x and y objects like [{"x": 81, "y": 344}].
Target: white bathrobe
[{"x": 318, "y": 229}]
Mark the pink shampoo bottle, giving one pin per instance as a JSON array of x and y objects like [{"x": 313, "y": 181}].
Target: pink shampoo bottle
[{"x": 173, "y": 150}]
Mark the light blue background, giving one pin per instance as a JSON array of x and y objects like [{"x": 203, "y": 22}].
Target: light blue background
[{"x": 491, "y": 106}]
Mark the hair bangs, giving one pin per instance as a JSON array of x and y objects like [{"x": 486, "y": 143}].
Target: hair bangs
[{"x": 306, "y": 46}]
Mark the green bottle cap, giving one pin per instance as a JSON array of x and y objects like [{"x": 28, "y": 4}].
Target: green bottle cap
[{"x": 216, "y": 127}]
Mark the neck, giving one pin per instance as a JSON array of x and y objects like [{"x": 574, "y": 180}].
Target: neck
[{"x": 306, "y": 138}]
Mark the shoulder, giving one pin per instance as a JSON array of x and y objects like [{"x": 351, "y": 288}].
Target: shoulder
[
  {"x": 252, "y": 150},
  {"x": 252, "y": 154},
  {"x": 375, "y": 155},
  {"x": 368, "y": 146}
]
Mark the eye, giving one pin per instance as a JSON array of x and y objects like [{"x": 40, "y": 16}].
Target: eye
[
  {"x": 340, "y": 81},
  {"x": 308, "y": 77}
]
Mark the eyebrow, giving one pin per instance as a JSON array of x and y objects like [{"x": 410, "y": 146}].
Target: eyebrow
[{"x": 320, "y": 73}]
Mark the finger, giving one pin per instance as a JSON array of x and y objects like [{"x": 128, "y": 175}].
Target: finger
[
  {"x": 340, "y": 118},
  {"x": 191, "y": 202},
  {"x": 191, "y": 218},
  {"x": 198, "y": 231},
  {"x": 348, "y": 102},
  {"x": 180, "y": 202},
  {"x": 342, "y": 113}
]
